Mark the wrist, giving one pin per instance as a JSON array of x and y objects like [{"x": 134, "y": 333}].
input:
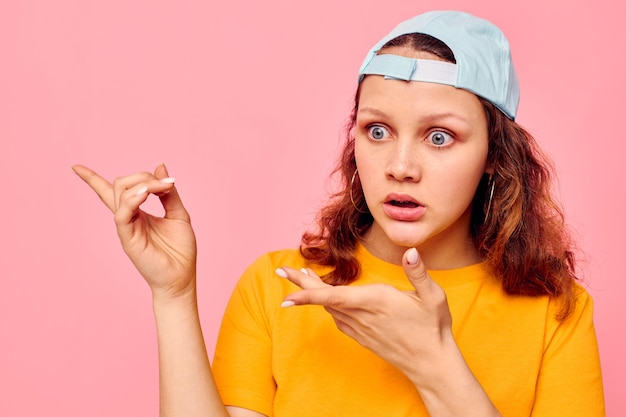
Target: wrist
[
  {"x": 176, "y": 288},
  {"x": 436, "y": 366},
  {"x": 447, "y": 385},
  {"x": 165, "y": 300}
]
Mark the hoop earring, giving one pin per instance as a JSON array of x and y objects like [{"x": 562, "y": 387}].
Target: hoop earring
[
  {"x": 491, "y": 185},
  {"x": 351, "y": 197}
]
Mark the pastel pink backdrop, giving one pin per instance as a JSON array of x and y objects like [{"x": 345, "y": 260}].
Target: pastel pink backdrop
[{"x": 245, "y": 102}]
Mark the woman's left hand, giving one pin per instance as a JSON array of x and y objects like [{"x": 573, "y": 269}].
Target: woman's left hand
[{"x": 408, "y": 329}]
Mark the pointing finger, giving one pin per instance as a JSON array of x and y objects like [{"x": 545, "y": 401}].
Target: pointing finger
[
  {"x": 304, "y": 278},
  {"x": 102, "y": 187},
  {"x": 341, "y": 297}
]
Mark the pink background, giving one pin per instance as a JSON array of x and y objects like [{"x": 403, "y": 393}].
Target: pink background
[{"x": 244, "y": 101}]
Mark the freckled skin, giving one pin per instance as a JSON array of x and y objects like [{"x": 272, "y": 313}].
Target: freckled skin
[{"x": 428, "y": 141}]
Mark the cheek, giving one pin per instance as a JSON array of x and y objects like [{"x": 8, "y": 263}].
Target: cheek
[
  {"x": 367, "y": 167},
  {"x": 456, "y": 180},
  {"x": 466, "y": 192},
  {"x": 363, "y": 162}
]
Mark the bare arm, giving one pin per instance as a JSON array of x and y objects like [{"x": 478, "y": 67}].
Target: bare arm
[
  {"x": 164, "y": 251},
  {"x": 187, "y": 387}
]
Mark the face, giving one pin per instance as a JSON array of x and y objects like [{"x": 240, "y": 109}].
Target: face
[{"x": 421, "y": 150}]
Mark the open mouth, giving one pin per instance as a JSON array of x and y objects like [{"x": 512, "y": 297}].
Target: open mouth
[
  {"x": 402, "y": 200},
  {"x": 403, "y": 207},
  {"x": 399, "y": 203}
]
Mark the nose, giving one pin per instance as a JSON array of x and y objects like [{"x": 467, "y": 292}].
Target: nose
[{"x": 403, "y": 162}]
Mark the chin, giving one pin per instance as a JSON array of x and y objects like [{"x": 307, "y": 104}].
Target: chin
[{"x": 405, "y": 236}]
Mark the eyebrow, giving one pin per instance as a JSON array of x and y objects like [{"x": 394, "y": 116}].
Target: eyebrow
[{"x": 425, "y": 118}]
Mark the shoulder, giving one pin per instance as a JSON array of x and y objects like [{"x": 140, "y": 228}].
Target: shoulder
[
  {"x": 260, "y": 277},
  {"x": 259, "y": 290},
  {"x": 578, "y": 321},
  {"x": 269, "y": 261},
  {"x": 582, "y": 303}
]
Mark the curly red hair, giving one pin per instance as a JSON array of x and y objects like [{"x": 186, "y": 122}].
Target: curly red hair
[{"x": 523, "y": 239}]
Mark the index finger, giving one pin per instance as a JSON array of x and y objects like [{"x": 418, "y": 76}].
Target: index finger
[
  {"x": 339, "y": 297},
  {"x": 304, "y": 278},
  {"x": 102, "y": 187}
]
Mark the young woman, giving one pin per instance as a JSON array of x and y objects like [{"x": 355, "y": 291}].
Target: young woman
[{"x": 436, "y": 175}]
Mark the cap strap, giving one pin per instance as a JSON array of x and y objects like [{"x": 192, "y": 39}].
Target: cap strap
[{"x": 409, "y": 69}]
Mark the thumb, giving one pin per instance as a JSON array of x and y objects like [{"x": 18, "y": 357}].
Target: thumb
[
  {"x": 416, "y": 272},
  {"x": 161, "y": 172},
  {"x": 174, "y": 208}
]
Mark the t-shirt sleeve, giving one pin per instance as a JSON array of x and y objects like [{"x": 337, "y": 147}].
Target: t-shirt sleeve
[
  {"x": 570, "y": 380},
  {"x": 243, "y": 355}
]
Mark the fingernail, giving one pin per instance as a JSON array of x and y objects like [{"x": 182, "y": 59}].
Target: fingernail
[
  {"x": 168, "y": 180},
  {"x": 412, "y": 256},
  {"x": 142, "y": 190},
  {"x": 304, "y": 271},
  {"x": 281, "y": 273},
  {"x": 286, "y": 304}
]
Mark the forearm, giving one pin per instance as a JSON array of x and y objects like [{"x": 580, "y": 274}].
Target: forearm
[
  {"x": 449, "y": 388},
  {"x": 187, "y": 387}
]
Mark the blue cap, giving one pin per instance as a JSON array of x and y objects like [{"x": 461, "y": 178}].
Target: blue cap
[{"x": 483, "y": 58}]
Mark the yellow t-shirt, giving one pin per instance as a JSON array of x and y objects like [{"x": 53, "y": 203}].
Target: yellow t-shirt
[{"x": 294, "y": 362}]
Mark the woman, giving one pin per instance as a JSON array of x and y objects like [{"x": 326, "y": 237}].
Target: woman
[{"x": 436, "y": 174}]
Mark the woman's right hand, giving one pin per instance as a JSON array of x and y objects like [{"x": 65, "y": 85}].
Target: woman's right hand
[{"x": 163, "y": 249}]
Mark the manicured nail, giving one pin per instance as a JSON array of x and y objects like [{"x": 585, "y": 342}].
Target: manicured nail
[
  {"x": 304, "y": 271},
  {"x": 168, "y": 180},
  {"x": 412, "y": 256},
  {"x": 281, "y": 273},
  {"x": 286, "y": 304},
  {"x": 142, "y": 190}
]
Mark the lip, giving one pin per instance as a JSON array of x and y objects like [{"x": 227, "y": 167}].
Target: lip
[{"x": 409, "y": 213}]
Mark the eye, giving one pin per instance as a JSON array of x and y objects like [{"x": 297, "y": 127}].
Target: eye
[
  {"x": 440, "y": 138},
  {"x": 377, "y": 132}
]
